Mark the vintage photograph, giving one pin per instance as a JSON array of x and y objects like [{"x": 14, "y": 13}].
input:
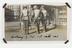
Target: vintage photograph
[{"x": 35, "y": 22}]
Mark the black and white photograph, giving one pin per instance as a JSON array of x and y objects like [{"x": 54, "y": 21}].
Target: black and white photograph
[{"x": 35, "y": 22}]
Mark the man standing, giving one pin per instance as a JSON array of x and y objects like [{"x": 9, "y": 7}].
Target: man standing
[
  {"x": 44, "y": 19},
  {"x": 36, "y": 17},
  {"x": 25, "y": 19}
]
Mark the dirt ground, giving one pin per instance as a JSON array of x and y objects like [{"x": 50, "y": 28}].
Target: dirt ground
[{"x": 14, "y": 34}]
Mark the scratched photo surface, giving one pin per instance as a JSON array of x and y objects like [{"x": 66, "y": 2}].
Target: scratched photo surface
[{"x": 35, "y": 22}]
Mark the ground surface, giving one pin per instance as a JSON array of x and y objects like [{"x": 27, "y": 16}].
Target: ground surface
[{"x": 14, "y": 33}]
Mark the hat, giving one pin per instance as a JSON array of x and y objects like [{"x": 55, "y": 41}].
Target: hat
[{"x": 35, "y": 6}]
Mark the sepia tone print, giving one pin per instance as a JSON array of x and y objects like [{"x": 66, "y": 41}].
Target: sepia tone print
[{"x": 35, "y": 22}]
